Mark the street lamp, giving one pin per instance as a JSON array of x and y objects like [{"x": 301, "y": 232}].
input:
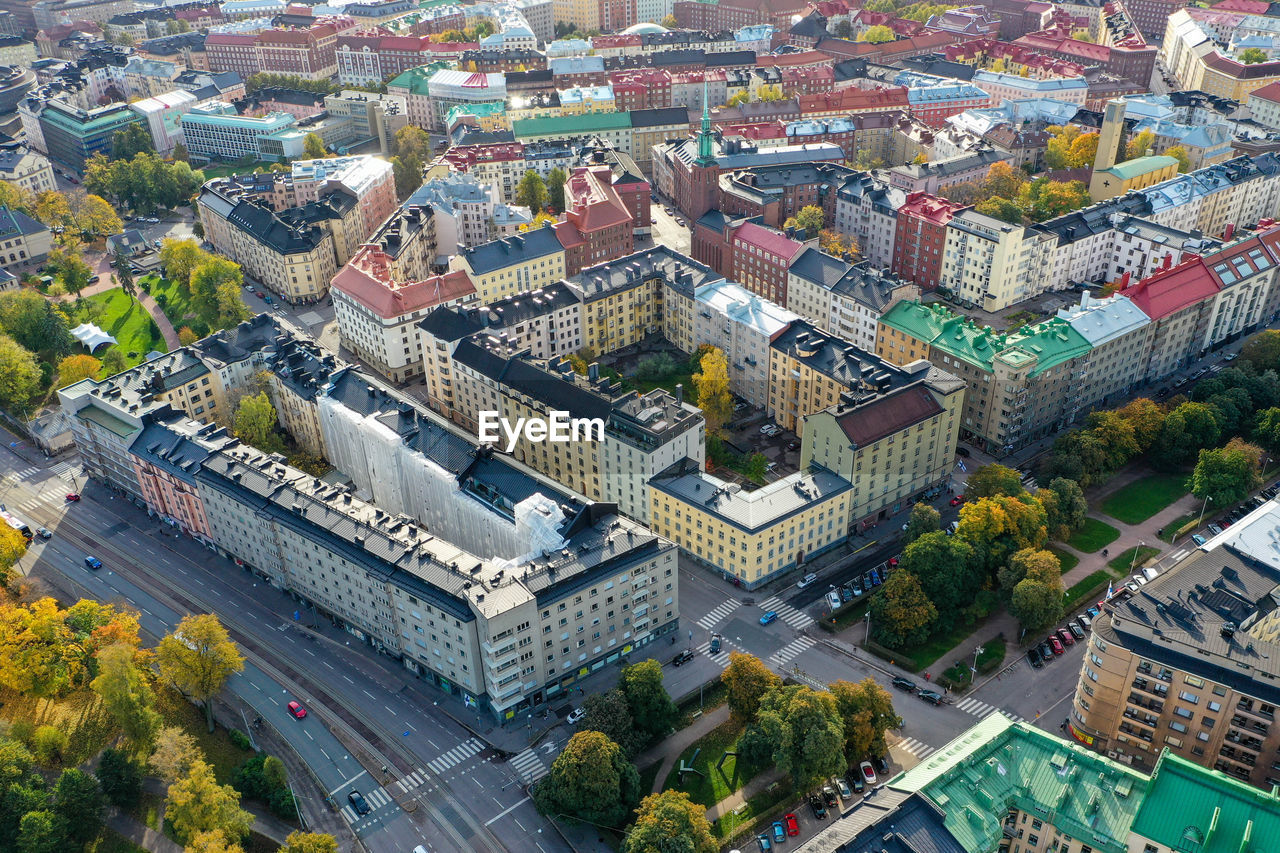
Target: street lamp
[
  {"x": 867, "y": 640},
  {"x": 976, "y": 652},
  {"x": 1134, "y": 562},
  {"x": 1203, "y": 506}
]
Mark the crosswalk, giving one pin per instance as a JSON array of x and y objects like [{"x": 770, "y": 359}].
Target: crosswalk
[
  {"x": 721, "y": 658},
  {"x": 529, "y": 766},
  {"x": 791, "y": 650},
  {"x": 982, "y": 709},
  {"x": 721, "y": 613},
  {"x": 30, "y": 503},
  {"x": 377, "y": 798},
  {"x": 413, "y": 780},
  {"x": 455, "y": 756},
  {"x": 65, "y": 470},
  {"x": 786, "y": 613},
  {"x": 918, "y": 748}
]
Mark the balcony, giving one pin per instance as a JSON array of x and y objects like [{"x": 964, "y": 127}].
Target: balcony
[
  {"x": 1145, "y": 703},
  {"x": 1242, "y": 722},
  {"x": 1132, "y": 732},
  {"x": 1140, "y": 719},
  {"x": 1246, "y": 706}
]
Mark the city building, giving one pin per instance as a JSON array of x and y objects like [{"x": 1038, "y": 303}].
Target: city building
[
  {"x": 69, "y": 134},
  {"x": 163, "y": 115},
  {"x": 448, "y": 88},
  {"x": 596, "y": 225},
  {"x": 842, "y": 298},
  {"x": 220, "y": 133},
  {"x": 921, "y": 237},
  {"x": 23, "y": 240},
  {"x": 467, "y": 213},
  {"x": 992, "y": 264},
  {"x": 511, "y": 265},
  {"x": 25, "y": 169}
]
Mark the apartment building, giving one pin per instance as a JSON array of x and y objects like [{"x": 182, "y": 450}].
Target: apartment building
[
  {"x": 500, "y": 164},
  {"x": 448, "y": 88},
  {"x": 920, "y": 239},
  {"x": 466, "y": 213},
  {"x": 992, "y": 264},
  {"x": 891, "y": 431},
  {"x": 69, "y": 134},
  {"x": 596, "y": 225},
  {"x": 23, "y": 240},
  {"x": 1119, "y": 337},
  {"x": 221, "y": 134},
  {"x": 742, "y": 325},
  {"x": 25, "y": 169},
  {"x": 502, "y": 268},
  {"x": 844, "y": 299},
  {"x": 309, "y": 52},
  {"x": 755, "y": 536}
]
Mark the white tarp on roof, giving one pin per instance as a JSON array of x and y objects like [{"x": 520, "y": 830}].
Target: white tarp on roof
[{"x": 92, "y": 336}]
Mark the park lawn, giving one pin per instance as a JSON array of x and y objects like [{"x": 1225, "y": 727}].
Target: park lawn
[
  {"x": 649, "y": 775},
  {"x": 176, "y": 302},
  {"x": 928, "y": 653},
  {"x": 1143, "y": 498},
  {"x": 124, "y": 318},
  {"x": 684, "y": 377},
  {"x": 221, "y": 754},
  {"x": 1068, "y": 560},
  {"x": 715, "y": 784},
  {"x": 1127, "y": 562},
  {"x": 762, "y": 809},
  {"x": 80, "y": 714},
  {"x": 1086, "y": 589},
  {"x": 1171, "y": 529},
  {"x": 1094, "y": 536}
]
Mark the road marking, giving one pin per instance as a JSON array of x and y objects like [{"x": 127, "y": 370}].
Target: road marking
[
  {"x": 529, "y": 766},
  {"x": 791, "y": 650},
  {"x": 918, "y": 748},
  {"x": 393, "y": 713},
  {"x": 719, "y": 614},
  {"x": 326, "y": 663},
  {"x": 367, "y": 693},
  {"x": 346, "y": 783},
  {"x": 308, "y": 734},
  {"x": 787, "y": 614},
  {"x": 455, "y": 756},
  {"x": 506, "y": 811}
]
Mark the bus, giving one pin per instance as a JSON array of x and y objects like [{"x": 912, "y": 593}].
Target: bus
[{"x": 17, "y": 524}]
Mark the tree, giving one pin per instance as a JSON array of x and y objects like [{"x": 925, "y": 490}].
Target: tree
[
  {"x": 834, "y": 243},
  {"x": 947, "y": 571},
  {"x": 121, "y": 779},
  {"x": 175, "y": 751},
  {"x": 1033, "y": 563},
  {"x": 1083, "y": 151},
  {"x": 651, "y": 707},
  {"x": 1043, "y": 199},
  {"x": 78, "y": 802},
  {"x": 1180, "y": 154},
  {"x": 738, "y": 99},
  {"x": 313, "y": 147},
  {"x": 747, "y": 680},
  {"x": 556, "y": 179},
  {"x": 531, "y": 192},
  {"x": 806, "y": 731},
  {"x": 541, "y": 219},
  {"x": 413, "y": 140},
  {"x": 1252, "y": 55},
  {"x": 180, "y": 258},
  {"x": 590, "y": 779},
  {"x": 1035, "y": 605},
  {"x": 1000, "y": 208},
  {"x": 12, "y": 546},
  {"x": 669, "y": 822},
  {"x": 669, "y": 21},
  {"x": 40, "y": 832},
  {"x": 610, "y": 714},
  {"x": 924, "y": 519},
  {"x": 186, "y": 336},
  {"x": 770, "y": 93},
  {"x": 1003, "y": 180},
  {"x": 867, "y": 711},
  {"x": 712, "y": 385},
  {"x": 1065, "y": 507},
  {"x": 998, "y": 526},
  {"x": 992, "y": 480},
  {"x": 197, "y": 803},
  {"x": 1226, "y": 475},
  {"x": 1146, "y": 418},
  {"x": 113, "y": 362},
  {"x": 98, "y": 217},
  {"x": 1081, "y": 35},
  {"x": 20, "y": 377},
  {"x": 901, "y": 615},
  {"x": 16, "y": 198},
  {"x": 132, "y": 140},
  {"x": 126, "y": 694},
  {"x": 197, "y": 658},
  {"x": 1262, "y": 350},
  {"x": 1139, "y": 145},
  {"x": 877, "y": 34},
  {"x": 211, "y": 841},
  {"x": 408, "y": 174},
  {"x": 756, "y": 467},
  {"x": 53, "y": 209},
  {"x": 36, "y": 323},
  {"x": 210, "y": 292},
  {"x": 1186, "y": 430},
  {"x": 808, "y": 219},
  {"x": 68, "y": 267},
  {"x": 256, "y": 423},
  {"x": 74, "y": 368},
  {"x": 180, "y": 154},
  {"x": 309, "y": 842}
]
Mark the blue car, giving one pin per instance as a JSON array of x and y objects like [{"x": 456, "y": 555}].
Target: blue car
[
  {"x": 875, "y": 578},
  {"x": 779, "y": 832},
  {"x": 769, "y": 618},
  {"x": 93, "y": 563},
  {"x": 763, "y": 841},
  {"x": 1198, "y": 539}
]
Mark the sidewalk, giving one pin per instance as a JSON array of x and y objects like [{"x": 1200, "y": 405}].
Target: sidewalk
[
  {"x": 740, "y": 796},
  {"x": 140, "y": 834},
  {"x": 670, "y": 749}
]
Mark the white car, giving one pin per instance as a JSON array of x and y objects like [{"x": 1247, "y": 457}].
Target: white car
[
  {"x": 575, "y": 716},
  {"x": 806, "y": 580},
  {"x": 764, "y": 430}
]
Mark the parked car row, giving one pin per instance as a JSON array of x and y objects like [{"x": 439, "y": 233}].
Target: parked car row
[{"x": 1057, "y": 643}]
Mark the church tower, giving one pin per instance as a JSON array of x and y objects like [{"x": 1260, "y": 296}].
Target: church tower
[{"x": 1111, "y": 134}]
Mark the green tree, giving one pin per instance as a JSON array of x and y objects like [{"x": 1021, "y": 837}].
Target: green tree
[
  {"x": 313, "y": 147},
  {"x": 1252, "y": 55},
  {"x": 40, "y": 832},
  {"x": 210, "y": 286},
  {"x": 651, "y": 707},
  {"x": 1139, "y": 145},
  {"x": 113, "y": 362},
  {"x": 947, "y": 571},
  {"x": 1262, "y": 350},
  {"x": 1065, "y": 507},
  {"x": 867, "y": 711},
  {"x": 126, "y": 694},
  {"x": 590, "y": 779},
  {"x": 36, "y": 323},
  {"x": 197, "y": 658},
  {"x": 20, "y": 377},
  {"x": 556, "y": 179},
  {"x": 49, "y": 744},
  {"x": 16, "y": 198},
  {"x": 78, "y": 802},
  {"x": 180, "y": 258},
  {"x": 309, "y": 842},
  {"x": 95, "y": 216},
  {"x": 180, "y": 154},
  {"x": 877, "y": 34},
  {"x": 66, "y": 265},
  {"x": 531, "y": 192},
  {"x": 1226, "y": 475},
  {"x": 1186, "y": 431},
  {"x": 256, "y": 423},
  {"x": 757, "y": 465},
  {"x": 197, "y": 803},
  {"x": 130, "y": 141},
  {"x": 1266, "y": 430},
  {"x": 413, "y": 140},
  {"x": 1180, "y": 154},
  {"x": 992, "y": 480},
  {"x": 669, "y": 822},
  {"x": 1033, "y": 563},
  {"x": 407, "y": 170},
  {"x": 924, "y": 519},
  {"x": 712, "y": 385},
  {"x": 806, "y": 731},
  {"x": 121, "y": 779},
  {"x": 747, "y": 680},
  {"x": 1001, "y": 208},
  {"x": 1035, "y": 605},
  {"x": 1146, "y": 418},
  {"x": 902, "y": 615},
  {"x": 610, "y": 714},
  {"x": 808, "y": 219}
]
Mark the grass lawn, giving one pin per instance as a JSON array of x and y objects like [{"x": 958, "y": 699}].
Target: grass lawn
[
  {"x": 222, "y": 170},
  {"x": 1171, "y": 529},
  {"x": 1127, "y": 562},
  {"x": 110, "y": 841},
  {"x": 80, "y": 714},
  {"x": 764, "y": 807},
  {"x": 175, "y": 303},
  {"x": 712, "y": 695},
  {"x": 223, "y": 755},
  {"x": 1068, "y": 560},
  {"x": 715, "y": 784},
  {"x": 1086, "y": 589},
  {"x": 649, "y": 775},
  {"x": 669, "y": 382},
  {"x": 1094, "y": 536},
  {"x": 123, "y": 317},
  {"x": 939, "y": 645},
  {"x": 1143, "y": 498}
]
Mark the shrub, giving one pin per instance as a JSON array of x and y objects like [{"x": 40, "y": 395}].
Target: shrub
[
  {"x": 240, "y": 739},
  {"x": 283, "y": 805},
  {"x": 21, "y": 731},
  {"x": 48, "y": 744}
]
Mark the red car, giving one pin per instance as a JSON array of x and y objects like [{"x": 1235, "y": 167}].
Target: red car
[
  {"x": 893, "y": 562},
  {"x": 957, "y": 500},
  {"x": 1055, "y": 644},
  {"x": 72, "y": 498},
  {"x": 1066, "y": 637},
  {"x": 297, "y": 710},
  {"x": 793, "y": 825}
]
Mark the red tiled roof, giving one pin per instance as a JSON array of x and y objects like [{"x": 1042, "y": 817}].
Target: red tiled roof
[
  {"x": 854, "y": 99},
  {"x": 888, "y": 415},
  {"x": 1269, "y": 92},
  {"x": 767, "y": 240},
  {"x": 366, "y": 279},
  {"x": 1169, "y": 291},
  {"x": 930, "y": 208},
  {"x": 568, "y": 235}
]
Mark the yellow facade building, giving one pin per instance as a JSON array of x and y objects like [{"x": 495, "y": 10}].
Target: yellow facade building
[{"x": 502, "y": 268}]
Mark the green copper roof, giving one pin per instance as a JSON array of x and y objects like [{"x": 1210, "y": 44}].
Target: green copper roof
[
  {"x": 1141, "y": 166},
  {"x": 484, "y": 108},
  {"x": 999, "y": 764},
  {"x": 1049, "y": 343},
  {"x": 570, "y": 125},
  {"x": 1189, "y": 807},
  {"x": 415, "y": 79}
]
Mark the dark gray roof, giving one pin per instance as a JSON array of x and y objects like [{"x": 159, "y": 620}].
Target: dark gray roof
[
  {"x": 15, "y": 222},
  {"x": 497, "y": 254},
  {"x": 659, "y": 117},
  {"x": 456, "y": 322},
  {"x": 1096, "y": 218}
]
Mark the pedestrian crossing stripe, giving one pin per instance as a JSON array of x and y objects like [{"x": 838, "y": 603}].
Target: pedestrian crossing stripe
[
  {"x": 721, "y": 657},
  {"x": 529, "y": 766},
  {"x": 455, "y": 756},
  {"x": 787, "y": 614},
  {"x": 982, "y": 709},
  {"x": 62, "y": 467},
  {"x": 792, "y": 650},
  {"x": 918, "y": 748},
  {"x": 349, "y": 813},
  {"x": 719, "y": 614},
  {"x": 413, "y": 780},
  {"x": 378, "y": 798}
]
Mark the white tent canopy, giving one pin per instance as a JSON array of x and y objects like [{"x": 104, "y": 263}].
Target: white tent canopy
[{"x": 92, "y": 336}]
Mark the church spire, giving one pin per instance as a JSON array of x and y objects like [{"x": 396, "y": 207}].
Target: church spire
[{"x": 705, "y": 156}]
